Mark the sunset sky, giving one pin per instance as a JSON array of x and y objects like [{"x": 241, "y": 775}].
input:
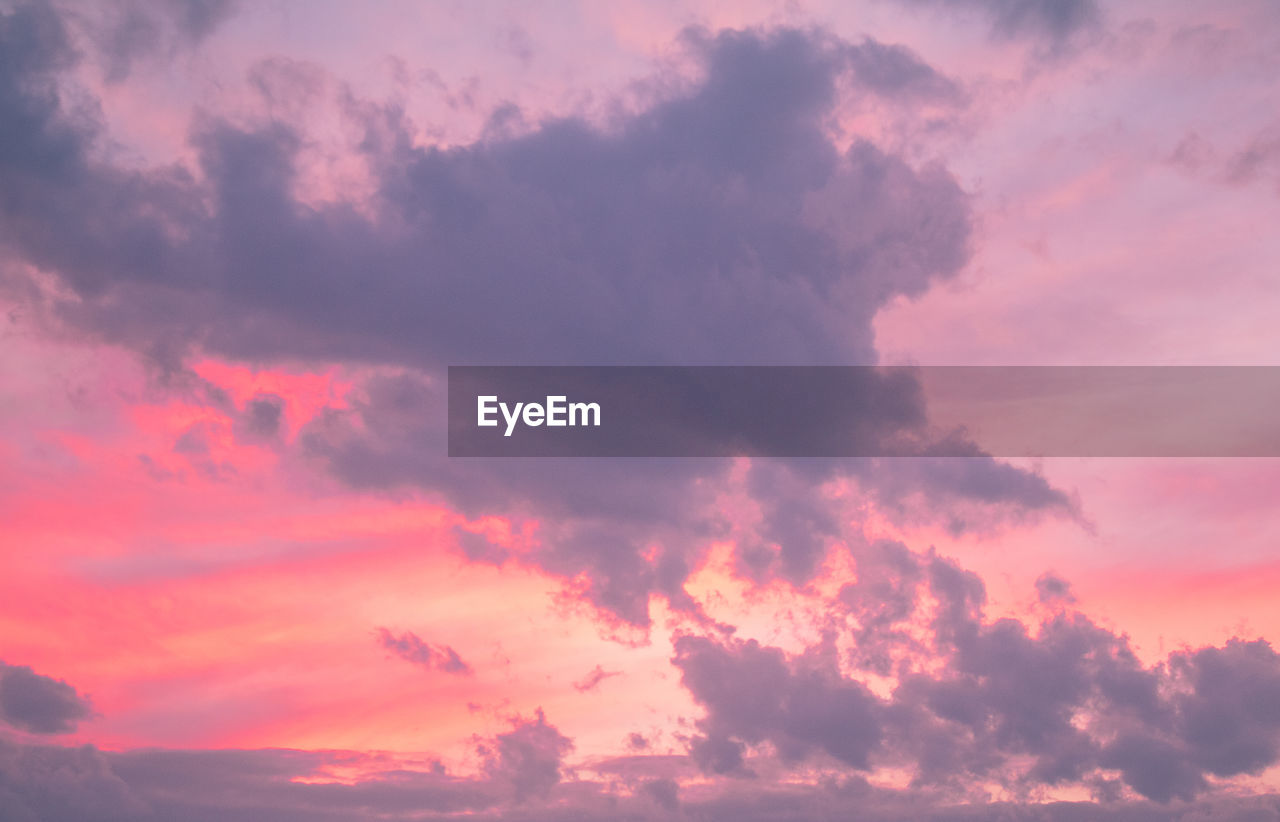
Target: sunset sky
[{"x": 240, "y": 579}]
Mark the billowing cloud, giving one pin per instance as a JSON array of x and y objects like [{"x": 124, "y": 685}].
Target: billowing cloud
[
  {"x": 987, "y": 702},
  {"x": 727, "y": 217},
  {"x": 721, "y": 224},
  {"x": 39, "y": 704},
  {"x": 528, "y": 757},
  {"x": 755, "y": 694},
  {"x": 732, "y": 182}
]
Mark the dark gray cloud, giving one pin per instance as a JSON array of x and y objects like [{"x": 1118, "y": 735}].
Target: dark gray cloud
[
  {"x": 39, "y": 704},
  {"x": 411, "y": 648}
]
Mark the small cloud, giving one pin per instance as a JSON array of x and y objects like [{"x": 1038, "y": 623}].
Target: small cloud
[
  {"x": 411, "y": 648},
  {"x": 593, "y": 679},
  {"x": 1054, "y": 590},
  {"x": 194, "y": 442},
  {"x": 261, "y": 417}
]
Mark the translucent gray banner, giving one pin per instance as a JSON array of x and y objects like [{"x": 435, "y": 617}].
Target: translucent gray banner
[{"x": 864, "y": 411}]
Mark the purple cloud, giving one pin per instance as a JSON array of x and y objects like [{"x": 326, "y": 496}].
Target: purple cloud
[
  {"x": 411, "y": 648},
  {"x": 39, "y": 704}
]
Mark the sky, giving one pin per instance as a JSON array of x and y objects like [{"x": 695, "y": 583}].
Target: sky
[{"x": 241, "y": 243}]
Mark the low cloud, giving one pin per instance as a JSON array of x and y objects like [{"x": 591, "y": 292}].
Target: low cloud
[
  {"x": 983, "y": 702},
  {"x": 39, "y": 704},
  {"x": 529, "y": 757}
]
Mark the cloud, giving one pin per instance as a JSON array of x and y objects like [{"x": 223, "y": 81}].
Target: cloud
[
  {"x": 755, "y": 694},
  {"x": 237, "y": 785},
  {"x": 261, "y": 418},
  {"x": 39, "y": 704},
  {"x": 721, "y": 224},
  {"x": 1257, "y": 159},
  {"x": 42, "y": 783},
  {"x": 47, "y": 783},
  {"x": 1053, "y": 589},
  {"x": 984, "y": 702},
  {"x": 593, "y": 679},
  {"x": 528, "y": 757},
  {"x": 410, "y": 647},
  {"x": 664, "y": 792},
  {"x": 1054, "y": 22},
  {"x": 1230, "y": 711},
  {"x": 734, "y": 181},
  {"x": 127, "y": 32}
]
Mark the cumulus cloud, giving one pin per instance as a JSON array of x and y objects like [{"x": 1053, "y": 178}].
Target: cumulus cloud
[
  {"x": 734, "y": 181},
  {"x": 992, "y": 703},
  {"x": 986, "y": 702},
  {"x": 528, "y": 757},
  {"x": 721, "y": 224},
  {"x": 39, "y": 704},
  {"x": 593, "y": 679},
  {"x": 755, "y": 694}
]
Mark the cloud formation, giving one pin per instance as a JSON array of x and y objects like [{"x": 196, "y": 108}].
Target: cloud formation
[
  {"x": 411, "y": 648},
  {"x": 985, "y": 702},
  {"x": 722, "y": 223},
  {"x": 725, "y": 219},
  {"x": 39, "y": 704},
  {"x": 1053, "y": 22},
  {"x": 528, "y": 757}
]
